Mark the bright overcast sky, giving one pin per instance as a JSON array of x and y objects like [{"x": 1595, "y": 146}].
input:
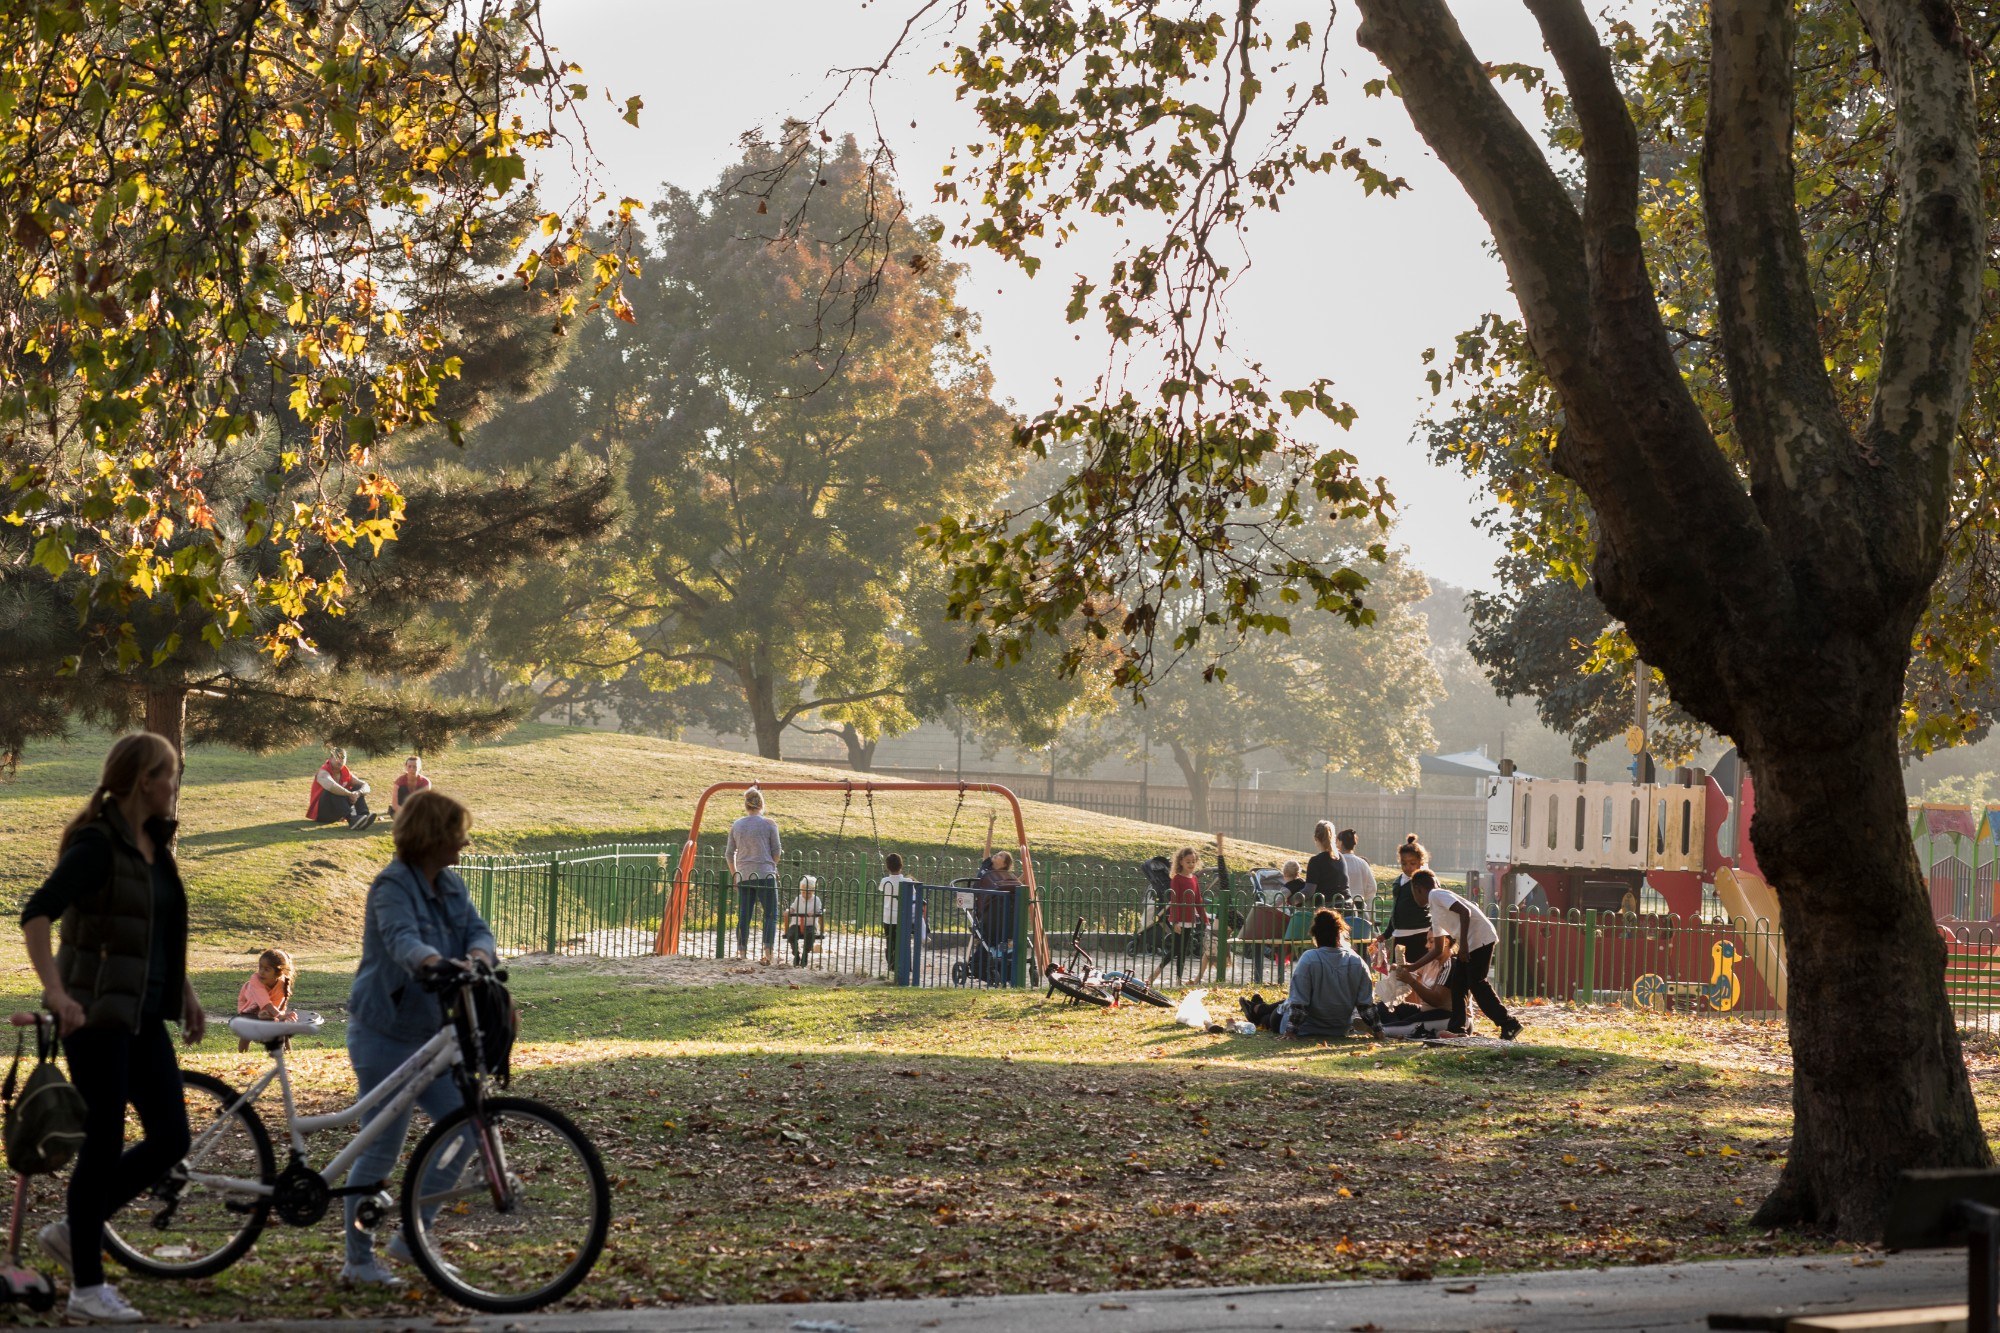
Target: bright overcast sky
[{"x": 1344, "y": 286}]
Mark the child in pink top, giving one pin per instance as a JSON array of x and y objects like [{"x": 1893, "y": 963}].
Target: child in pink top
[{"x": 268, "y": 994}]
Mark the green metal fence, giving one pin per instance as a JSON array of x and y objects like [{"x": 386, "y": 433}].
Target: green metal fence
[{"x": 609, "y": 901}]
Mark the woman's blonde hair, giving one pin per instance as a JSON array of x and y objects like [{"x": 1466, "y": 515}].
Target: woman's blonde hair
[
  {"x": 430, "y": 823},
  {"x": 138, "y": 755},
  {"x": 1184, "y": 856},
  {"x": 282, "y": 962},
  {"x": 753, "y": 799},
  {"x": 1323, "y": 834}
]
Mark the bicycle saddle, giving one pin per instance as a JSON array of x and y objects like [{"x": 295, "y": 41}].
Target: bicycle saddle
[{"x": 264, "y": 1030}]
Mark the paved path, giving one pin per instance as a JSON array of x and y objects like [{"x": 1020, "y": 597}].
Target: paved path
[{"x": 1668, "y": 1297}]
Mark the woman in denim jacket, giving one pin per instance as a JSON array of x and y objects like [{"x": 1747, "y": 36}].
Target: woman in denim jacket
[{"x": 419, "y": 912}]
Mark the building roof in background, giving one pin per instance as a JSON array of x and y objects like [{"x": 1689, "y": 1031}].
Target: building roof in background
[{"x": 1464, "y": 764}]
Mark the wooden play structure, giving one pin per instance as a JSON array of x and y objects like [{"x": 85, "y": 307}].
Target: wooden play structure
[{"x": 1585, "y": 868}]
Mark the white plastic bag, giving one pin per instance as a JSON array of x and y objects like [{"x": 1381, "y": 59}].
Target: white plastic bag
[{"x": 1193, "y": 1012}]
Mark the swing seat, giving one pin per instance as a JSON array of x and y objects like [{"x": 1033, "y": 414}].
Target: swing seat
[{"x": 264, "y": 1030}]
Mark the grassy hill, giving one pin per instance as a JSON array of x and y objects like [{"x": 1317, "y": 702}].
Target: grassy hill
[{"x": 258, "y": 874}]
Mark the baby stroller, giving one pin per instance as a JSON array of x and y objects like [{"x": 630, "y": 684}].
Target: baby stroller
[{"x": 985, "y": 959}]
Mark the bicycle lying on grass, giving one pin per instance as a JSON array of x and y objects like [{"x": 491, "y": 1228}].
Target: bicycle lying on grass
[
  {"x": 504, "y": 1203},
  {"x": 1084, "y": 983}
]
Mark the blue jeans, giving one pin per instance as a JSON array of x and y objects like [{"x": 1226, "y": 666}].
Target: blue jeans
[
  {"x": 375, "y": 1057},
  {"x": 756, "y": 893}
]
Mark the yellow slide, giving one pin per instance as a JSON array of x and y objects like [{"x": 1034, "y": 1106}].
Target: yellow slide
[{"x": 1747, "y": 896}]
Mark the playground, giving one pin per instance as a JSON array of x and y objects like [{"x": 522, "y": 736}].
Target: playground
[{"x": 839, "y": 1141}]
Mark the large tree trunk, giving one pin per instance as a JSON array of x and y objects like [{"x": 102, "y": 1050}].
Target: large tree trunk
[
  {"x": 1780, "y": 613},
  {"x": 860, "y": 753},
  {"x": 1879, "y": 1081},
  {"x": 760, "y": 693},
  {"x": 1195, "y": 774},
  {"x": 166, "y": 713}
]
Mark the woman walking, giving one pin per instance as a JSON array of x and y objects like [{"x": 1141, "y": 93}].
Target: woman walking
[
  {"x": 117, "y": 979},
  {"x": 419, "y": 915}
]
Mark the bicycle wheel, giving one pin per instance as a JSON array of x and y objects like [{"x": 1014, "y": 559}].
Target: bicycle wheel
[
  {"x": 1081, "y": 990},
  {"x": 206, "y": 1213},
  {"x": 1139, "y": 990},
  {"x": 518, "y": 1242}
]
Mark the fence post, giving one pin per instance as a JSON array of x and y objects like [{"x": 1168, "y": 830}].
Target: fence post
[
  {"x": 1020, "y": 977},
  {"x": 555, "y": 897},
  {"x": 721, "y": 916},
  {"x": 486, "y": 891},
  {"x": 1221, "y": 933},
  {"x": 908, "y": 949},
  {"x": 1503, "y": 956},
  {"x": 1589, "y": 956}
]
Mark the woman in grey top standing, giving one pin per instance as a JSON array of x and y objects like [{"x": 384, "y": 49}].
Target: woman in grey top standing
[{"x": 753, "y": 854}]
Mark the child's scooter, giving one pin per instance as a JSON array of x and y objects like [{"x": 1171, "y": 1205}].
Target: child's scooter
[{"x": 18, "y": 1283}]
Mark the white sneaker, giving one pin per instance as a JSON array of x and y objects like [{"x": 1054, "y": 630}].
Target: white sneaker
[
  {"x": 55, "y": 1243},
  {"x": 102, "y": 1305},
  {"x": 399, "y": 1250},
  {"x": 370, "y": 1274}
]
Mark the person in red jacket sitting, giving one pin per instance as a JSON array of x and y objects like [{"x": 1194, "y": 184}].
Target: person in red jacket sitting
[{"x": 337, "y": 794}]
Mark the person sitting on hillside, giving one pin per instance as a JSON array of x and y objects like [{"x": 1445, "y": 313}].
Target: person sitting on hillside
[
  {"x": 802, "y": 921},
  {"x": 337, "y": 795},
  {"x": 408, "y": 783}
]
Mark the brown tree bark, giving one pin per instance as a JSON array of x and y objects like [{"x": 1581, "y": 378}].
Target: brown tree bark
[
  {"x": 760, "y": 694},
  {"x": 1198, "y": 784},
  {"x": 166, "y": 713},
  {"x": 1780, "y": 614}
]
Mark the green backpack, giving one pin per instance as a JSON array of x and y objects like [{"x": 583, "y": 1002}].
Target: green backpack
[{"x": 43, "y": 1127}]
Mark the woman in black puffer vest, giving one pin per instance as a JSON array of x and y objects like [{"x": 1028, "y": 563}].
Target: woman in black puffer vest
[{"x": 117, "y": 979}]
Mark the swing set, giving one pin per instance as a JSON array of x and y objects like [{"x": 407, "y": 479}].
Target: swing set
[{"x": 669, "y": 937}]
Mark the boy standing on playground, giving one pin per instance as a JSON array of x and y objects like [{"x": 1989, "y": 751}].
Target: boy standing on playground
[
  {"x": 753, "y": 853},
  {"x": 1461, "y": 931}
]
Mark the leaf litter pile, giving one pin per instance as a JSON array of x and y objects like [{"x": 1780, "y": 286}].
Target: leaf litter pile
[{"x": 772, "y": 1144}]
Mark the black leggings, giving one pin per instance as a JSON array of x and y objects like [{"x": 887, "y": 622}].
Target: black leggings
[
  {"x": 1468, "y": 975},
  {"x": 112, "y": 1067},
  {"x": 1181, "y": 946}
]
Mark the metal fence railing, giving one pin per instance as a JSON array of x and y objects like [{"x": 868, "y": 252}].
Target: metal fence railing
[{"x": 609, "y": 901}]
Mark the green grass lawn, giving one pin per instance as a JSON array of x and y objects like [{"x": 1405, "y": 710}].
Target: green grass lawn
[
  {"x": 259, "y": 875},
  {"x": 827, "y": 1142}
]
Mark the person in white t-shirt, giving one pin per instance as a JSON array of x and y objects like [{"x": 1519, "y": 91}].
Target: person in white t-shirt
[
  {"x": 1460, "y": 931},
  {"x": 1360, "y": 875},
  {"x": 892, "y": 896}
]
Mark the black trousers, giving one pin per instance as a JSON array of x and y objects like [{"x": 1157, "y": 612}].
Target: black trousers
[
  {"x": 1414, "y": 946},
  {"x": 1468, "y": 976},
  {"x": 336, "y": 808},
  {"x": 889, "y": 936},
  {"x": 113, "y": 1068}
]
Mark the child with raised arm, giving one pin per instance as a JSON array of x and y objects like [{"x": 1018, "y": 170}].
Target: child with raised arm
[{"x": 268, "y": 992}]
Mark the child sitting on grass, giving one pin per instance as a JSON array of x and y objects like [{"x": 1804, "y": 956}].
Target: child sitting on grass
[{"x": 268, "y": 994}]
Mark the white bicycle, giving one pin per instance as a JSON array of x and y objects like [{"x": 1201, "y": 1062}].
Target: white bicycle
[{"x": 504, "y": 1203}]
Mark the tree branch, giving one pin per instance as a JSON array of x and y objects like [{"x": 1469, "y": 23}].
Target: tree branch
[
  {"x": 1934, "y": 292},
  {"x": 1786, "y": 415}
]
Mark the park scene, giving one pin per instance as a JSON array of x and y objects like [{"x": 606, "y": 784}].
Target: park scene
[{"x": 841, "y": 666}]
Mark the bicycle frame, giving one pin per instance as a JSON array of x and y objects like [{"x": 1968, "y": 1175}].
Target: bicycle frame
[{"x": 396, "y": 1094}]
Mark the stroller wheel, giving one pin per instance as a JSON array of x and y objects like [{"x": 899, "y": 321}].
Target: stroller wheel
[{"x": 958, "y": 974}]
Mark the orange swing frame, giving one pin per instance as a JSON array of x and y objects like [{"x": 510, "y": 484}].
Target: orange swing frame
[{"x": 669, "y": 938}]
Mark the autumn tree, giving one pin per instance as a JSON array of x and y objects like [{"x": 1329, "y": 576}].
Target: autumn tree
[
  {"x": 213, "y": 206},
  {"x": 1352, "y": 698},
  {"x": 1773, "y": 563},
  {"x": 779, "y": 462}
]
